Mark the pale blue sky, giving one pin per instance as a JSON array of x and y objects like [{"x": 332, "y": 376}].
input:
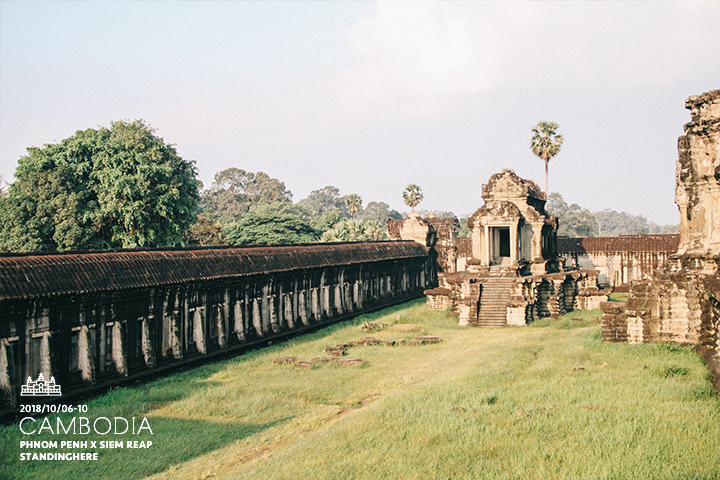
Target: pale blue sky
[{"x": 371, "y": 96}]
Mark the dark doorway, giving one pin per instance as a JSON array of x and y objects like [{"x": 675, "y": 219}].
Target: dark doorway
[{"x": 504, "y": 234}]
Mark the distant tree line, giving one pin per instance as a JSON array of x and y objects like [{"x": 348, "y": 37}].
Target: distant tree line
[
  {"x": 242, "y": 208},
  {"x": 576, "y": 221},
  {"x": 124, "y": 187}
]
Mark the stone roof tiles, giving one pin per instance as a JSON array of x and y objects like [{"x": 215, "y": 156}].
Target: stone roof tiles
[
  {"x": 623, "y": 243},
  {"x": 67, "y": 273}
]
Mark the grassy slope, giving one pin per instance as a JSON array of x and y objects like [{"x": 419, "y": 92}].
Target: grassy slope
[{"x": 548, "y": 401}]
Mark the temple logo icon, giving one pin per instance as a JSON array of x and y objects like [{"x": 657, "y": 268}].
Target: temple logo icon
[{"x": 40, "y": 387}]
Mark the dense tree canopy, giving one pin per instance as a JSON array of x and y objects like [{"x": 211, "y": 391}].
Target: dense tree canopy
[
  {"x": 205, "y": 232},
  {"x": 325, "y": 200},
  {"x": 379, "y": 211},
  {"x": 353, "y": 230},
  {"x": 574, "y": 220},
  {"x": 274, "y": 224},
  {"x": 234, "y": 191},
  {"x": 107, "y": 188},
  {"x": 612, "y": 223}
]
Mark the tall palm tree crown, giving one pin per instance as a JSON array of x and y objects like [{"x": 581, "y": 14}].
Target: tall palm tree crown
[
  {"x": 546, "y": 143},
  {"x": 353, "y": 202},
  {"x": 412, "y": 196}
]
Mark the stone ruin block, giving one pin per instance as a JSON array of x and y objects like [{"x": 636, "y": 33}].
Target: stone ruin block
[{"x": 679, "y": 303}]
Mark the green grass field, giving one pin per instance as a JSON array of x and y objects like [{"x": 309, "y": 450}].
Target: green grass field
[{"x": 541, "y": 402}]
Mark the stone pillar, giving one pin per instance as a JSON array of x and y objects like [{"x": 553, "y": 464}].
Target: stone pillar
[
  {"x": 224, "y": 326},
  {"x": 147, "y": 344},
  {"x": 485, "y": 246},
  {"x": 239, "y": 320},
  {"x": 86, "y": 362},
  {"x": 45, "y": 358},
  {"x": 199, "y": 329},
  {"x": 326, "y": 301},
  {"x": 176, "y": 334},
  {"x": 257, "y": 323},
  {"x": 118, "y": 348},
  {"x": 265, "y": 310},
  {"x": 357, "y": 294},
  {"x": 6, "y": 386},
  {"x": 288, "y": 311},
  {"x": 273, "y": 313},
  {"x": 302, "y": 307},
  {"x": 338, "y": 299},
  {"x": 220, "y": 319},
  {"x": 514, "y": 244}
]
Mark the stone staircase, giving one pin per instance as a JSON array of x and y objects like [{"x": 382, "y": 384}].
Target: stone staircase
[{"x": 493, "y": 302}]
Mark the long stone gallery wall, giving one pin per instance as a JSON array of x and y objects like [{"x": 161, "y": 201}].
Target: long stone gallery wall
[
  {"x": 93, "y": 321},
  {"x": 620, "y": 260}
]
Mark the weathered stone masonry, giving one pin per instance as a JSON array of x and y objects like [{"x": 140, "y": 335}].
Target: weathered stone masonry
[
  {"x": 681, "y": 302},
  {"x": 95, "y": 320},
  {"x": 509, "y": 272}
]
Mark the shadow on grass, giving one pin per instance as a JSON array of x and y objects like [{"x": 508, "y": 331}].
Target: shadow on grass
[{"x": 174, "y": 441}]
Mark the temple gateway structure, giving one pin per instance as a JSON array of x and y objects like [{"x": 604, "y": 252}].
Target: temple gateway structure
[{"x": 514, "y": 273}]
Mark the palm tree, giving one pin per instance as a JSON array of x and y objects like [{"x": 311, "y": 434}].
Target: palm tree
[
  {"x": 412, "y": 196},
  {"x": 374, "y": 230},
  {"x": 353, "y": 202},
  {"x": 546, "y": 143}
]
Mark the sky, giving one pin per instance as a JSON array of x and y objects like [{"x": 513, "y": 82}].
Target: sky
[{"x": 372, "y": 96}]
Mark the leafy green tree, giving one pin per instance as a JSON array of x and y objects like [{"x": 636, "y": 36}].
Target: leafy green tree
[
  {"x": 379, "y": 211},
  {"x": 353, "y": 230},
  {"x": 346, "y": 230},
  {"x": 327, "y": 220},
  {"x": 412, "y": 196},
  {"x": 574, "y": 220},
  {"x": 546, "y": 143},
  {"x": 117, "y": 187},
  {"x": 273, "y": 224},
  {"x": 374, "y": 230},
  {"x": 205, "y": 232},
  {"x": 353, "y": 202},
  {"x": 612, "y": 223},
  {"x": 234, "y": 191},
  {"x": 664, "y": 229},
  {"x": 324, "y": 200}
]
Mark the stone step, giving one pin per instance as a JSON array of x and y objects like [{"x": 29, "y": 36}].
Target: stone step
[{"x": 493, "y": 301}]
